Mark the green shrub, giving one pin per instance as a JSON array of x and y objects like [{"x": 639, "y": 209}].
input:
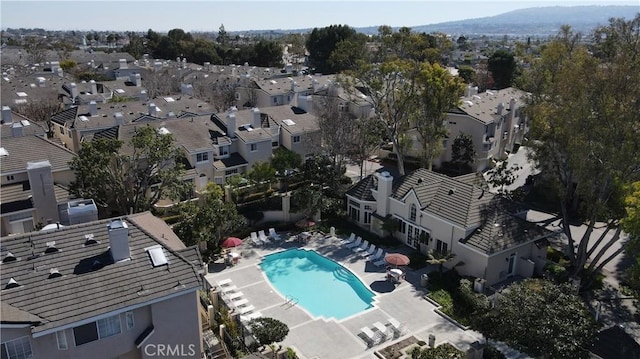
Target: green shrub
[
  {"x": 491, "y": 352},
  {"x": 556, "y": 272}
]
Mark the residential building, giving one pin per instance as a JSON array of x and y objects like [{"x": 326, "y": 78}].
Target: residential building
[
  {"x": 488, "y": 234},
  {"x": 112, "y": 289},
  {"x": 35, "y": 176},
  {"x": 278, "y": 91},
  {"x": 493, "y": 119}
]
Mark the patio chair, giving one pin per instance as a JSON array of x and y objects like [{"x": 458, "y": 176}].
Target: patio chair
[
  {"x": 356, "y": 243},
  {"x": 250, "y": 316},
  {"x": 229, "y": 289},
  {"x": 380, "y": 262},
  {"x": 362, "y": 247},
  {"x": 241, "y": 302},
  {"x": 246, "y": 309},
  {"x": 376, "y": 256},
  {"x": 370, "y": 335},
  {"x": 255, "y": 240},
  {"x": 263, "y": 237},
  {"x": 351, "y": 238},
  {"x": 224, "y": 282},
  {"x": 382, "y": 329},
  {"x": 274, "y": 235},
  {"x": 395, "y": 325},
  {"x": 369, "y": 252},
  {"x": 234, "y": 296}
]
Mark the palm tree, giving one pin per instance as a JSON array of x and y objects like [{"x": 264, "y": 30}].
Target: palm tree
[{"x": 440, "y": 258}]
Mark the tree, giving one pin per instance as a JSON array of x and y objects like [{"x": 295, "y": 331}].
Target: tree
[
  {"x": 132, "y": 179},
  {"x": 41, "y": 111},
  {"x": 262, "y": 173},
  {"x": 307, "y": 200},
  {"x": 284, "y": 160},
  {"x": 440, "y": 258},
  {"x": 502, "y": 65},
  {"x": 267, "y": 54},
  {"x": 322, "y": 42},
  {"x": 268, "y": 330},
  {"x": 540, "y": 318},
  {"x": 209, "y": 220},
  {"x": 36, "y": 48},
  {"x": 585, "y": 130},
  {"x": 438, "y": 93},
  {"x": 223, "y": 37},
  {"x": 161, "y": 82},
  {"x": 463, "y": 153},
  {"x": 631, "y": 225},
  {"x": 502, "y": 176},
  {"x": 467, "y": 74}
]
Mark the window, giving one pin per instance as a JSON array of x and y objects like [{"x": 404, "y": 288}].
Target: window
[
  {"x": 237, "y": 95},
  {"x": 202, "y": 157},
  {"x": 412, "y": 213},
  {"x": 274, "y": 144},
  {"x": 354, "y": 203},
  {"x": 231, "y": 172},
  {"x": 367, "y": 217},
  {"x": 109, "y": 326},
  {"x": 61, "y": 337},
  {"x": 62, "y": 130},
  {"x": 93, "y": 331},
  {"x": 17, "y": 349},
  {"x": 296, "y": 139},
  {"x": 402, "y": 226},
  {"x": 275, "y": 101},
  {"x": 254, "y": 147},
  {"x": 354, "y": 213},
  {"x": 129, "y": 320},
  {"x": 224, "y": 150},
  {"x": 442, "y": 247},
  {"x": 367, "y": 207},
  {"x": 10, "y": 178}
]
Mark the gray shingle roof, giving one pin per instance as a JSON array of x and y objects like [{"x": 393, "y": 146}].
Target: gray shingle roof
[
  {"x": 484, "y": 106},
  {"x": 443, "y": 196},
  {"x": 16, "y": 197},
  {"x": 65, "y": 117},
  {"x": 303, "y": 122},
  {"x": 31, "y": 149},
  {"x": 84, "y": 291},
  {"x": 12, "y": 315},
  {"x": 362, "y": 189}
]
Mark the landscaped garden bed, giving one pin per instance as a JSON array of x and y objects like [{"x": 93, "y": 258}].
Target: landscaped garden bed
[{"x": 455, "y": 296}]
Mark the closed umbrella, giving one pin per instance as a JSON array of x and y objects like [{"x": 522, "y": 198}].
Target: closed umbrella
[
  {"x": 397, "y": 259},
  {"x": 231, "y": 242}
]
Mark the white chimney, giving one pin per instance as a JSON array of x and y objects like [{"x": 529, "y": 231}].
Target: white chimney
[
  {"x": 6, "y": 114},
  {"x": 500, "y": 108},
  {"x": 153, "y": 110},
  {"x": 123, "y": 63},
  {"x": 304, "y": 102},
  {"x": 119, "y": 118},
  {"x": 94, "y": 87},
  {"x": 244, "y": 79},
  {"x": 186, "y": 89},
  {"x": 184, "y": 62},
  {"x": 41, "y": 81},
  {"x": 256, "y": 117},
  {"x": 293, "y": 86},
  {"x": 207, "y": 65},
  {"x": 42, "y": 191},
  {"x": 93, "y": 108},
  {"x": 16, "y": 129},
  {"x": 55, "y": 65},
  {"x": 60, "y": 72},
  {"x": 385, "y": 184},
  {"x": 143, "y": 96},
  {"x": 231, "y": 124},
  {"x": 74, "y": 90},
  {"x": 469, "y": 91},
  {"x": 137, "y": 80},
  {"x": 316, "y": 85},
  {"x": 119, "y": 240},
  {"x": 157, "y": 65},
  {"x": 92, "y": 63}
]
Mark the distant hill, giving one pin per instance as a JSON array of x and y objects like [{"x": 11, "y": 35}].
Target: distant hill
[{"x": 535, "y": 21}]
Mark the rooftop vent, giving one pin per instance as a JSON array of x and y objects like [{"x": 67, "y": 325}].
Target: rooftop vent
[
  {"x": 157, "y": 255},
  {"x": 288, "y": 122},
  {"x": 89, "y": 240},
  {"x": 163, "y": 131},
  {"x": 3, "y": 152},
  {"x": 54, "y": 273},
  {"x": 51, "y": 248},
  {"x": 11, "y": 284},
  {"x": 9, "y": 258},
  {"x": 452, "y": 191}
]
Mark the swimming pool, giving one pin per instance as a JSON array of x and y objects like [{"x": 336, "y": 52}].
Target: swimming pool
[{"x": 323, "y": 287}]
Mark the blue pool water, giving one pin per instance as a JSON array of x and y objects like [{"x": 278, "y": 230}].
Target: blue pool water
[{"x": 323, "y": 287}]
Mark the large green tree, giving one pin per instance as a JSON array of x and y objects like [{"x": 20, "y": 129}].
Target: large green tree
[
  {"x": 438, "y": 92},
  {"x": 347, "y": 44},
  {"x": 584, "y": 112},
  {"x": 130, "y": 179},
  {"x": 209, "y": 220},
  {"x": 502, "y": 65},
  {"x": 542, "y": 319},
  {"x": 268, "y": 330},
  {"x": 463, "y": 153}
]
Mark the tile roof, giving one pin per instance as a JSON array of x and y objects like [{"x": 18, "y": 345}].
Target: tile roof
[
  {"x": 302, "y": 121},
  {"x": 31, "y": 149},
  {"x": 483, "y": 106},
  {"x": 443, "y": 196},
  {"x": 28, "y": 127},
  {"x": 65, "y": 117},
  {"x": 87, "y": 289},
  {"x": 17, "y": 197},
  {"x": 502, "y": 229},
  {"x": 362, "y": 189},
  {"x": 11, "y": 314}
]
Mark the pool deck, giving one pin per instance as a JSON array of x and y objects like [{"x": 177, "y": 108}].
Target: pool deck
[{"x": 319, "y": 338}]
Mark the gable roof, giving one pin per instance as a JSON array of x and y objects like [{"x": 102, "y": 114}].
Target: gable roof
[
  {"x": 30, "y": 149},
  {"x": 65, "y": 117},
  {"x": 456, "y": 201},
  {"x": 502, "y": 228},
  {"x": 483, "y": 106},
  {"x": 362, "y": 189},
  {"x": 85, "y": 290},
  {"x": 12, "y": 315}
]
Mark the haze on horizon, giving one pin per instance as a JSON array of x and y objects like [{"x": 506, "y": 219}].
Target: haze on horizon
[{"x": 200, "y": 16}]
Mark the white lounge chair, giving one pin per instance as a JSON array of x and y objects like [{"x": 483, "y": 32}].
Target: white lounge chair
[
  {"x": 369, "y": 252},
  {"x": 224, "y": 282},
  {"x": 395, "y": 325},
  {"x": 246, "y": 309},
  {"x": 376, "y": 256},
  {"x": 362, "y": 247},
  {"x": 381, "y": 328},
  {"x": 274, "y": 235},
  {"x": 229, "y": 289},
  {"x": 241, "y": 302},
  {"x": 250, "y": 316},
  {"x": 263, "y": 237},
  {"x": 380, "y": 262},
  {"x": 255, "y": 240},
  {"x": 356, "y": 243},
  {"x": 235, "y": 295},
  {"x": 351, "y": 238},
  {"x": 373, "y": 338}
]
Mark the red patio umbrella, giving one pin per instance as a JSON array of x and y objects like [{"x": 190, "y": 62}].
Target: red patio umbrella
[
  {"x": 305, "y": 223},
  {"x": 397, "y": 259},
  {"x": 231, "y": 242}
]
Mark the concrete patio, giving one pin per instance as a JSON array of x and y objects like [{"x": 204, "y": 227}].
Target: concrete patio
[{"x": 320, "y": 338}]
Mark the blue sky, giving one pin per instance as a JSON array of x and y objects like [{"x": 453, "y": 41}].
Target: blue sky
[{"x": 161, "y": 15}]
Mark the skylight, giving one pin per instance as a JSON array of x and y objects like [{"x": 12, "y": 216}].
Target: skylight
[
  {"x": 119, "y": 90},
  {"x": 25, "y": 123},
  {"x": 169, "y": 99},
  {"x": 273, "y": 82},
  {"x": 157, "y": 255},
  {"x": 288, "y": 122},
  {"x": 21, "y": 94},
  {"x": 83, "y": 118}
]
